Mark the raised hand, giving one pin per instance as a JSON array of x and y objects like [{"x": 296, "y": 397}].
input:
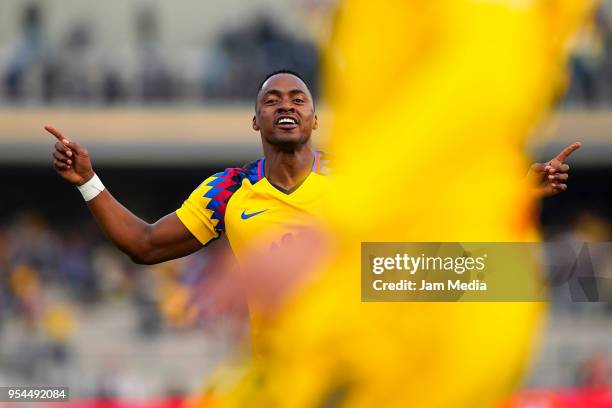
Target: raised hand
[
  {"x": 70, "y": 160},
  {"x": 550, "y": 178}
]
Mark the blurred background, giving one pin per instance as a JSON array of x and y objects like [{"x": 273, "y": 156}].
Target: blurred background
[{"x": 162, "y": 95}]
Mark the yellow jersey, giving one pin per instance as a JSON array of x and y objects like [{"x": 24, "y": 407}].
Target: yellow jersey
[{"x": 252, "y": 212}]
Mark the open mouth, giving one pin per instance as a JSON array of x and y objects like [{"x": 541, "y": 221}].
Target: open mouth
[{"x": 286, "y": 122}]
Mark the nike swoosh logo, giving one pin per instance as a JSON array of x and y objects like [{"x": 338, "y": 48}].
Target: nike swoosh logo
[{"x": 246, "y": 216}]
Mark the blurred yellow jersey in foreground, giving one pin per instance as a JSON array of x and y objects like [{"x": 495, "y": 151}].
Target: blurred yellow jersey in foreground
[{"x": 440, "y": 96}]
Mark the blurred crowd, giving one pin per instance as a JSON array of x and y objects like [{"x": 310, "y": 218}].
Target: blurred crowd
[
  {"x": 591, "y": 63},
  {"x": 40, "y": 264},
  {"x": 54, "y": 279},
  {"x": 78, "y": 71},
  {"x": 580, "y": 264}
]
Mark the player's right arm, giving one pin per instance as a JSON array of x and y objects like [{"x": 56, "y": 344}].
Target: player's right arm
[{"x": 144, "y": 243}]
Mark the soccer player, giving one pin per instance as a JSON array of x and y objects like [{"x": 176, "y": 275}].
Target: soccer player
[
  {"x": 261, "y": 202},
  {"x": 265, "y": 199}
]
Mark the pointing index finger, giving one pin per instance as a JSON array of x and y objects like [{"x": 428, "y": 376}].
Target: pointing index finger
[
  {"x": 57, "y": 134},
  {"x": 567, "y": 151}
]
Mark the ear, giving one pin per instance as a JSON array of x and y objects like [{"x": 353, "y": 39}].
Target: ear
[
  {"x": 316, "y": 122},
  {"x": 255, "y": 125}
]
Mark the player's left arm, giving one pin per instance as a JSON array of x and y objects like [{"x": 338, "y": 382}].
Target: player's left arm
[{"x": 550, "y": 178}]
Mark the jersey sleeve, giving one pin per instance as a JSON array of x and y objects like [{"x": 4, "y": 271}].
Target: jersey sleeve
[{"x": 203, "y": 213}]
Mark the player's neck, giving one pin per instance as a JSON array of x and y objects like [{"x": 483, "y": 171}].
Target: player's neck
[{"x": 288, "y": 169}]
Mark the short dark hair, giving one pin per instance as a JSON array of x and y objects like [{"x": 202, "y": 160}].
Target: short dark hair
[{"x": 280, "y": 71}]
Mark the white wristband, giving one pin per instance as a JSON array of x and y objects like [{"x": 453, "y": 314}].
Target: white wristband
[{"x": 92, "y": 188}]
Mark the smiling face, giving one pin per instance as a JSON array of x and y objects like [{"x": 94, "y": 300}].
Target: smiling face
[{"x": 284, "y": 112}]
